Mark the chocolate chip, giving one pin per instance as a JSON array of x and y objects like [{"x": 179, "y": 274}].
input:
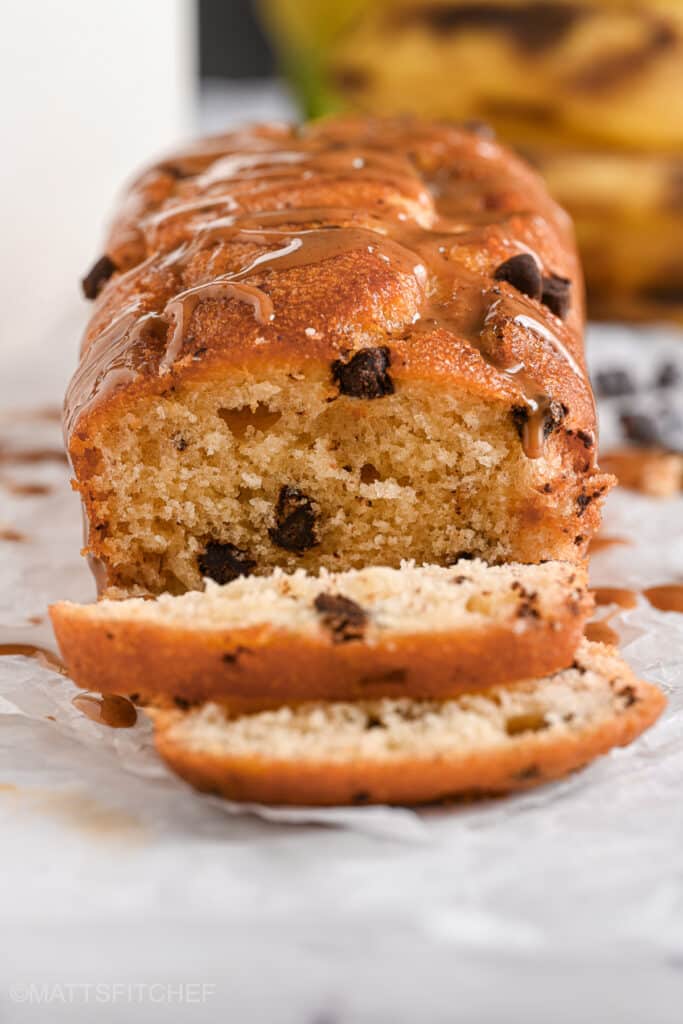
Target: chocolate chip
[
  {"x": 532, "y": 772},
  {"x": 629, "y": 695},
  {"x": 555, "y": 414},
  {"x": 586, "y": 439},
  {"x": 582, "y": 503},
  {"x": 460, "y": 556},
  {"x": 224, "y": 562},
  {"x": 526, "y": 609},
  {"x": 523, "y": 273},
  {"x": 668, "y": 376},
  {"x": 295, "y": 519},
  {"x": 612, "y": 383},
  {"x": 640, "y": 429},
  {"x": 373, "y": 722},
  {"x": 520, "y": 417},
  {"x": 344, "y": 617},
  {"x": 179, "y": 442},
  {"x": 556, "y": 294},
  {"x": 365, "y": 375},
  {"x": 97, "y": 277},
  {"x": 360, "y": 797},
  {"x": 231, "y": 657}
]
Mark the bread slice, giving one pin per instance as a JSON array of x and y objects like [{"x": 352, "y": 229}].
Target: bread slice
[
  {"x": 412, "y": 752},
  {"x": 423, "y": 632}
]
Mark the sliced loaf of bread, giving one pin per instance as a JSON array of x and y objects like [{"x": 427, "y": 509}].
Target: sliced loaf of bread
[
  {"x": 421, "y": 632},
  {"x": 402, "y": 751}
]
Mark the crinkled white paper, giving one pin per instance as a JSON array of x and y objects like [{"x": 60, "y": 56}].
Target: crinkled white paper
[{"x": 566, "y": 899}]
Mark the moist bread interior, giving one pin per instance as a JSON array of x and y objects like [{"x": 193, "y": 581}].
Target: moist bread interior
[{"x": 421, "y": 474}]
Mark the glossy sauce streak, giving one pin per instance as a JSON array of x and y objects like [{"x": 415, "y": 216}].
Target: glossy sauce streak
[
  {"x": 615, "y": 595},
  {"x": 417, "y": 228},
  {"x": 667, "y": 598},
  {"x": 601, "y": 632},
  {"x": 600, "y": 543},
  {"x": 27, "y": 490},
  {"x": 108, "y": 709},
  {"x": 44, "y": 657},
  {"x": 30, "y": 456},
  {"x": 13, "y": 536}
]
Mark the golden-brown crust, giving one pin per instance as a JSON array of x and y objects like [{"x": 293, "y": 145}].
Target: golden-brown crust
[
  {"x": 255, "y": 667},
  {"x": 393, "y": 186},
  {"x": 521, "y": 764}
]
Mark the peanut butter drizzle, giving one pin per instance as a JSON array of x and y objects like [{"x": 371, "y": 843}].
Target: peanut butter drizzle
[
  {"x": 599, "y": 543},
  {"x": 11, "y": 535},
  {"x": 416, "y": 241},
  {"x": 601, "y": 632},
  {"x": 44, "y": 657},
  {"x": 27, "y": 490},
  {"x": 31, "y": 456},
  {"x": 622, "y": 596},
  {"x": 108, "y": 709},
  {"x": 668, "y": 597}
]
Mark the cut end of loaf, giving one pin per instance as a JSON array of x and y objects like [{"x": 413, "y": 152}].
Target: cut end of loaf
[{"x": 223, "y": 479}]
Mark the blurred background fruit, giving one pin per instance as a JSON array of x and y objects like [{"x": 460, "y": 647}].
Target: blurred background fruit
[{"x": 590, "y": 90}]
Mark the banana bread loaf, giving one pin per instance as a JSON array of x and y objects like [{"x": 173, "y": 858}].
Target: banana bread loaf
[{"x": 334, "y": 346}]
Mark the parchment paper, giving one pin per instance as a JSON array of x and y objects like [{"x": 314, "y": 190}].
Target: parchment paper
[{"x": 567, "y": 900}]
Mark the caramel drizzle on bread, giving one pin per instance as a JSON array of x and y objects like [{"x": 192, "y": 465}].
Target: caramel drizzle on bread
[{"x": 420, "y": 228}]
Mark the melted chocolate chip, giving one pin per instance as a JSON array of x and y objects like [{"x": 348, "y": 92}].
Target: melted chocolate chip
[
  {"x": 341, "y": 615},
  {"x": 295, "y": 519},
  {"x": 97, "y": 277},
  {"x": 556, "y": 294},
  {"x": 582, "y": 503},
  {"x": 365, "y": 375},
  {"x": 224, "y": 562},
  {"x": 520, "y": 417},
  {"x": 532, "y": 772},
  {"x": 612, "y": 383},
  {"x": 523, "y": 273},
  {"x": 555, "y": 414},
  {"x": 629, "y": 695},
  {"x": 460, "y": 556}
]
